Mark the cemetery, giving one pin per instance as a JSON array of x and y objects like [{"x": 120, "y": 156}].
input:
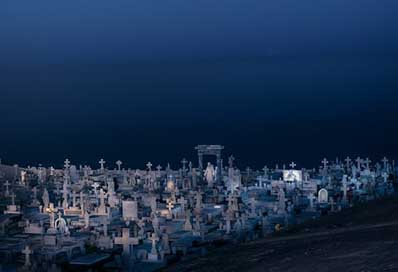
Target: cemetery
[{"x": 108, "y": 217}]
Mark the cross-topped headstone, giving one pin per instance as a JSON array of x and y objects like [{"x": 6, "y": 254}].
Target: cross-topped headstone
[
  {"x": 102, "y": 163},
  {"x": 126, "y": 241},
  {"x": 149, "y": 166},
  {"x": 27, "y": 251},
  {"x": 119, "y": 163}
]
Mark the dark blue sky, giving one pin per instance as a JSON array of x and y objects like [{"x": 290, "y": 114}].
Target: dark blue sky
[{"x": 273, "y": 81}]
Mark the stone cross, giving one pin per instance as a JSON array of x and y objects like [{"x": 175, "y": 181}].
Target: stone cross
[
  {"x": 149, "y": 166},
  {"x": 159, "y": 168},
  {"x": 7, "y": 184},
  {"x": 126, "y": 241},
  {"x": 348, "y": 161},
  {"x": 184, "y": 163},
  {"x": 292, "y": 165},
  {"x": 385, "y": 161},
  {"x": 325, "y": 163},
  {"x": 265, "y": 169},
  {"x": 359, "y": 161},
  {"x": 102, "y": 163},
  {"x": 154, "y": 238},
  {"x": 118, "y": 163},
  {"x": 27, "y": 251}
]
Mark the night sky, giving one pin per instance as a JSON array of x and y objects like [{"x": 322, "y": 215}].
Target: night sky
[{"x": 273, "y": 81}]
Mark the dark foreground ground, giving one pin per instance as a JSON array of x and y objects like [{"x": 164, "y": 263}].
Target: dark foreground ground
[{"x": 364, "y": 238}]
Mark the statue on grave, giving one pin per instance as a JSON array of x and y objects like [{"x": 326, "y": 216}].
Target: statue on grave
[
  {"x": 210, "y": 174},
  {"x": 61, "y": 226}
]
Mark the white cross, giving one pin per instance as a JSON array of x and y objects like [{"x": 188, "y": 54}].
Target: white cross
[
  {"x": 149, "y": 165},
  {"x": 126, "y": 241},
  {"x": 325, "y": 163},
  {"x": 359, "y": 161},
  {"x": 27, "y": 253},
  {"x": 102, "y": 162},
  {"x": 367, "y": 162},
  {"x": 348, "y": 160},
  {"x": 118, "y": 163},
  {"x": 184, "y": 162},
  {"x": 385, "y": 161},
  {"x": 292, "y": 165},
  {"x": 154, "y": 238},
  {"x": 159, "y": 168}
]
